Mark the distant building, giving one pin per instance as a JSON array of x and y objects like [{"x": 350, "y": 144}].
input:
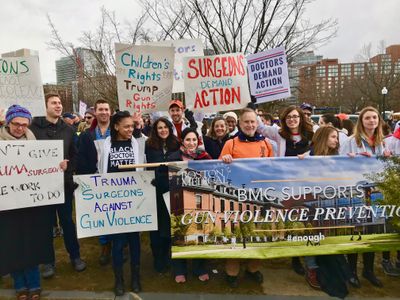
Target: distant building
[
  {"x": 21, "y": 53},
  {"x": 73, "y": 67},
  {"x": 328, "y": 82},
  {"x": 299, "y": 61}
]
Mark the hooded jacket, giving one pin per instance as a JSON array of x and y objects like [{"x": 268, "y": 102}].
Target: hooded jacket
[{"x": 44, "y": 130}]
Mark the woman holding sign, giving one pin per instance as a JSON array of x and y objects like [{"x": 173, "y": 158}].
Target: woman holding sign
[
  {"x": 26, "y": 233},
  {"x": 121, "y": 148},
  {"x": 161, "y": 146},
  {"x": 367, "y": 140}
]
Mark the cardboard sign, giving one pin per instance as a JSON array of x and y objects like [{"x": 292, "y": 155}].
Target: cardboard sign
[
  {"x": 216, "y": 83},
  {"x": 30, "y": 174},
  {"x": 279, "y": 207},
  {"x": 82, "y": 108},
  {"x": 183, "y": 48},
  {"x": 115, "y": 203},
  {"x": 20, "y": 83},
  {"x": 268, "y": 74},
  {"x": 144, "y": 77}
]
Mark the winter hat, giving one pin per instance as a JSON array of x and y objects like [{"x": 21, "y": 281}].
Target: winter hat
[
  {"x": 230, "y": 114},
  {"x": 90, "y": 111},
  {"x": 15, "y": 111}
]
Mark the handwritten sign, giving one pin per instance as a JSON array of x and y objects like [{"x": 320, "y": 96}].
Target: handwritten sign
[
  {"x": 29, "y": 174},
  {"x": 115, "y": 203},
  {"x": 144, "y": 77},
  {"x": 82, "y": 108},
  {"x": 183, "y": 48},
  {"x": 20, "y": 83},
  {"x": 216, "y": 83},
  {"x": 268, "y": 73}
]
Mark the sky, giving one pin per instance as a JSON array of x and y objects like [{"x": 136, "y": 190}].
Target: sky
[{"x": 24, "y": 24}]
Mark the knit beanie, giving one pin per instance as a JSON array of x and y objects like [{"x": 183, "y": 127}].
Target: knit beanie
[{"x": 15, "y": 111}]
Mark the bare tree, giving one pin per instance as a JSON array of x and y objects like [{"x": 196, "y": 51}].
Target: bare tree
[
  {"x": 98, "y": 80},
  {"x": 247, "y": 26}
]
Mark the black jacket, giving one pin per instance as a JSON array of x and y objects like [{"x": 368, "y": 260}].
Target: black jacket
[
  {"x": 44, "y": 130},
  {"x": 214, "y": 147},
  {"x": 86, "y": 162},
  {"x": 162, "y": 185}
]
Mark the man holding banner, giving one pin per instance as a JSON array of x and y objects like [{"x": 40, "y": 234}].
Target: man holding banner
[
  {"x": 52, "y": 127},
  {"x": 248, "y": 144}
]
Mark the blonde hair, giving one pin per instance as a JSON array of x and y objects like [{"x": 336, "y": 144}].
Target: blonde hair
[
  {"x": 359, "y": 130},
  {"x": 320, "y": 139}
]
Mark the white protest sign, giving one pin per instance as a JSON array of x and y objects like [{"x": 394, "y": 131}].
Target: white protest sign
[
  {"x": 216, "y": 83},
  {"x": 183, "y": 48},
  {"x": 268, "y": 74},
  {"x": 115, "y": 203},
  {"x": 82, "y": 108},
  {"x": 144, "y": 77},
  {"x": 20, "y": 83},
  {"x": 30, "y": 174}
]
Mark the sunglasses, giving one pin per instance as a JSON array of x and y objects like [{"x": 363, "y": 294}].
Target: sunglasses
[{"x": 89, "y": 117}]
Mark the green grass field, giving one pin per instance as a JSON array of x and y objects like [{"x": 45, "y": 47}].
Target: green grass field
[{"x": 331, "y": 245}]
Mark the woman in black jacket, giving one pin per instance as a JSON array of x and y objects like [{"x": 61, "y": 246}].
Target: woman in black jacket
[
  {"x": 216, "y": 137},
  {"x": 161, "y": 146}
]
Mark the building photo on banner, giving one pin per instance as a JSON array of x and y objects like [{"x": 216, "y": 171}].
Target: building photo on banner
[{"x": 238, "y": 210}]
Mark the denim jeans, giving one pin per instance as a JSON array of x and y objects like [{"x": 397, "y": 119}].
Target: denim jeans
[
  {"x": 310, "y": 262},
  {"x": 118, "y": 243},
  {"x": 64, "y": 212},
  {"x": 28, "y": 279}
]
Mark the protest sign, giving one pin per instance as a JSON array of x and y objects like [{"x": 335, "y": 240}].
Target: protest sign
[
  {"x": 115, "y": 203},
  {"x": 268, "y": 74},
  {"x": 144, "y": 77},
  {"x": 183, "y": 48},
  {"x": 30, "y": 174},
  {"x": 216, "y": 83},
  {"x": 20, "y": 83},
  {"x": 279, "y": 207},
  {"x": 82, "y": 108}
]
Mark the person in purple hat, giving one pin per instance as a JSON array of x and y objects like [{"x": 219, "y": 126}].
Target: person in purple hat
[{"x": 25, "y": 233}]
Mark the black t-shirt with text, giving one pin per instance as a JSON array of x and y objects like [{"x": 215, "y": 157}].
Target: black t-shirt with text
[{"x": 121, "y": 153}]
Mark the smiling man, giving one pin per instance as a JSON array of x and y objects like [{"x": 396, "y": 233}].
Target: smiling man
[
  {"x": 247, "y": 144},
  {"x": 52, "y": 127}
]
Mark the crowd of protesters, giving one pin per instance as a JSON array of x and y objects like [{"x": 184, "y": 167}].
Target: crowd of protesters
[{"x": 88, "y": 142}]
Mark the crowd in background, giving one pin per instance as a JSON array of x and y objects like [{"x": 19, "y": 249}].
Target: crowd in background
[{"x": 176, "y": 136}]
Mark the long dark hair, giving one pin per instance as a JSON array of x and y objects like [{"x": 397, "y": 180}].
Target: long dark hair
[
  {"x": 305, "y": 127},
  {"x": 155, "y": 142},
  {"x": 116, "y": 119}
]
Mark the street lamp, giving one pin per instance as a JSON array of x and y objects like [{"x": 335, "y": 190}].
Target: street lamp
[{"x": 384, "y": 93}]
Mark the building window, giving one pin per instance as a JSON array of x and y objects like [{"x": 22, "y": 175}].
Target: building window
[
  {"x": 321, "y": 71},
  {"x": 397, "y": 68},
  {"x": 231, "y": 205},
  {"x": 213, "y": 204},
  {"x": 240, "y": 207},
  {"x": 198, "y": 201},
  {"x": 247, "y": 206},
  {"x": 345, "y": 70},
  {"x": 358, "y": 69},
  {"x": 199, "y": 226},
  {"x": 222, "y": 205},
  {"x": 372, "y": 67},
  {"x": 332, "y": 71},
  {"x": 232, "y": 227}
]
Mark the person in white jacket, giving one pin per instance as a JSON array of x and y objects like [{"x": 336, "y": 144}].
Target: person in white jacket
[
  {"x": 121, "y": 148},
  {"x": 368, "y": 135}
]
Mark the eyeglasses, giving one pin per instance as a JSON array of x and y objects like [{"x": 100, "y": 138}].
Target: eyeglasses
[
  {"x": 292, "y": 117},
  {"x": 18, "y": 125}
]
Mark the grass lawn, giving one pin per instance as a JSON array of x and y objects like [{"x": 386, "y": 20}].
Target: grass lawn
[
  {"x": 330, "y": 245},
  {"x": 279, "y": 277}
]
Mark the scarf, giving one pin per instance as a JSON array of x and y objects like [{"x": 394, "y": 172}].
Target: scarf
[
  {"x": 197, "y": 154},
  {"x": 245, "y": 138},
  {"x": 5, "y": 135}
]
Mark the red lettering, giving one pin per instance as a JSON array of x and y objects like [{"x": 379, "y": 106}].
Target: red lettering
[
  {"x": 128, "y": 103},
  {"x": 192, "y": 66}
]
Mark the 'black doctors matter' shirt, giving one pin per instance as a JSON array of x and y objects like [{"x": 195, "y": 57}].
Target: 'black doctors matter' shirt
[{"x": 121, "y": 153}]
